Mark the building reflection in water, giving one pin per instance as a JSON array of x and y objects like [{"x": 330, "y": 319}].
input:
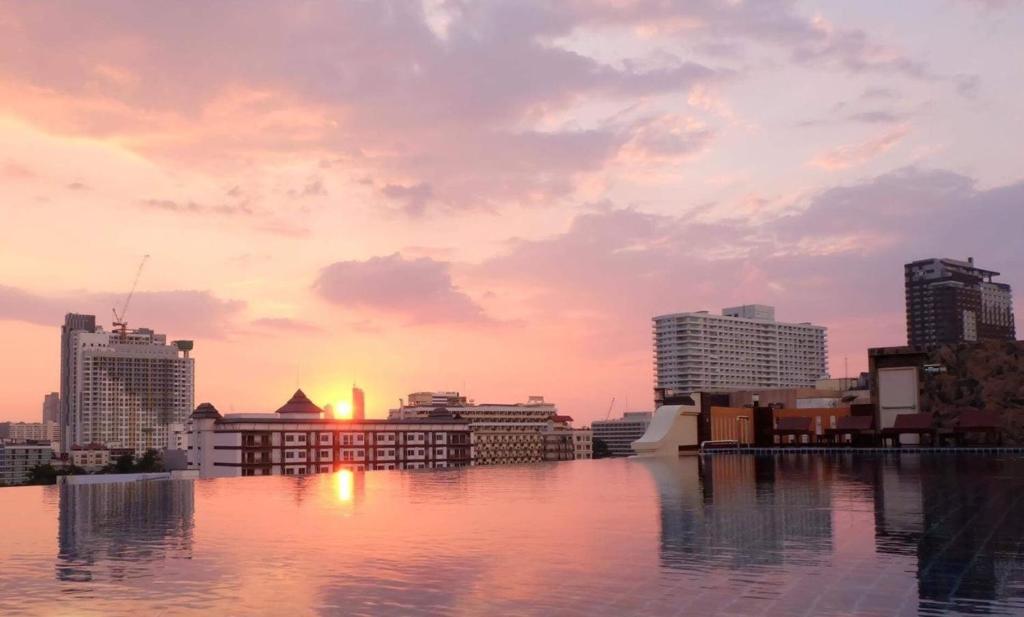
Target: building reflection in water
[
  {"x": 121, "y": 530},
  {"x": 960, "y": 519}
]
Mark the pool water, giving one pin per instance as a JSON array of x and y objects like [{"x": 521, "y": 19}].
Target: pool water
[{"x": 724, "y": 534}]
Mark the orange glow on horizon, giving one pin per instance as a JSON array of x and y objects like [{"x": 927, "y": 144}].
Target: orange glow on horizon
[{"x": 343, "y": 410}]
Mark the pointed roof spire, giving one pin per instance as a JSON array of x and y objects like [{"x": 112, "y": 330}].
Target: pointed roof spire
[{"x": 300, "y": 403}]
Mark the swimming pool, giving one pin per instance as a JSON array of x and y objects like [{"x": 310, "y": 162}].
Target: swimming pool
[{"x": 730, "y": 534}]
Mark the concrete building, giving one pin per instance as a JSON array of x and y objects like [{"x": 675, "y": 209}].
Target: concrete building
[
  {"x": 358, "y": 404},
  {"x": 17, "y": 460},
  {"x": 583, "y": 443},
  {"x": 30, "y": 431},
  {"x": 51, "y": 408},
  {"x": 122, "y": 389},
  {"x": 743, "y": 348},
  {"x": 299, "y": 439},
  {"x": 501, "y": 433},
  {"x": 90, "y": 458},
  {"x": 619, "y": 434},
  {"x": 950, "y": 301}
]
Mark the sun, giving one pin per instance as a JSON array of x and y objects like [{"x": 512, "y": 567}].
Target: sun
[{"x": 343, "y": 410}]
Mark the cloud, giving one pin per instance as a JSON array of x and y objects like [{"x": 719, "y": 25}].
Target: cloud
[
  {"x": 836, "y": 259},
  {"x": 286, "y": 324},
  {"x": 191, "y": 207},
  {"x": 420, "y": 290},
  {"x": 851, "y": 155},
  {"x": 10, "y": 169},
  {"x": 180, "y": 313},
  {"x": 412, "y": 199}
]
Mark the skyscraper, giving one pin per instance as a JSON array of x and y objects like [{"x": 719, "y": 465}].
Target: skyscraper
[
  {"x": 358, "y": 403},
  {"x": 950, "y": 301},
  {"x": 123, "y": 389},
  {"x": 51, "y": 408},
  {"x": 743, "y": 348}
]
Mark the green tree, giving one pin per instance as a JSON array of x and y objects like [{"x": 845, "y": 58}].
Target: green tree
[
  {"x": 42, "y": 474},
  {"x": 601, "y": 448},
  {"x": 149, "y": 462},
  {"x": 125, "y": 463}
]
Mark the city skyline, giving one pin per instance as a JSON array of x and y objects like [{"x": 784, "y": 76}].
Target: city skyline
[{"x": 308, "y": 224}]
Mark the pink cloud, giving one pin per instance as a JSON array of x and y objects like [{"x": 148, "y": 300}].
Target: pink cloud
[{"x": 851, "y": 155}]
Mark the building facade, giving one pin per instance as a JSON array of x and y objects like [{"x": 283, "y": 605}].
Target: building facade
[
  {"x": 89, "y": 458},
  {"x": 298, "y": 439},
  {"x": 950, "y": 301},
  {"x": 122, "y": 389},
  {"x": 743, "y": 348},
  {"x": 51, "y": 408},
  {"x": 17, "y": 461},
  {"x": 583, "y": 443},
  {"x": 30, "y": 431},
  {"x": 620, "y": 434},
  {"x": 502, "y": 433}
]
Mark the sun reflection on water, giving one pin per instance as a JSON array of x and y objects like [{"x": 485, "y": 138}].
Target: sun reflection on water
[{"x": 345, "y": 480}]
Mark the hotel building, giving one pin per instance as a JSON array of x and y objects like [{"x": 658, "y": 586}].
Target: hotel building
[
  {"x": 297, "y": 439},
  {"x": 619, "y": 434},
  {"x": 950, "y": 301},
  {"x": 122, "y": 389},
  {"x": 743, "y": 348},
  {"x": 501, "y": 433},
  {"x": 583, "y": 443},
  {"x": 30, "y": 431}
]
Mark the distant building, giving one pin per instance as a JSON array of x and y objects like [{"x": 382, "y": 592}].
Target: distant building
[
  {"x": 501, "y": 433},
  {"x": 51, "y": 408},
  {"x": 90, "y": 458},
  {"x": 583, "y": 442},
  {"x": 122, "y": 389},
  {"x": 619, "y": 434},
  {"x": 17, "y": 461},
  {"x": 30, "y": 431},
  {"x": 358, "y": 404},
  {"x": 744, "y": 348},
  {"x": 950, "y": 301},
  {"x": 299, "y": 439}
]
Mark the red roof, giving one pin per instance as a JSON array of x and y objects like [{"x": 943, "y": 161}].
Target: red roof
[
  {"x": 300, "y": 403},
  {"x": 562, "y": 418}
]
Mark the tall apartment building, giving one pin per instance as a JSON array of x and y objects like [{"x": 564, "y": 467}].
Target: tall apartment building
[
  {"x": 122, "y": 389},
  {"x": 743, "y": 348},
  {"x": 51, "y": 408},
  {"x": 501, "y": 433},
  {"x": 619, "y": 434},
  {"x": 300, "y": 439},
  {"x": 358, "y": 403},
  {"x": 950, "y": 301}
]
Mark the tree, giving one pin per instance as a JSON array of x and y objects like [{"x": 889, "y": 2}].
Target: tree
[
  {"x": 125, "y": 463},
  {"x": 601, "y": 448},
  {"x": 149, "y": 462},
  {"x": 42, "y": 474}
]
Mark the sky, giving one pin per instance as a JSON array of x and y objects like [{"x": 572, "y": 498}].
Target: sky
[{"x": 493, "y": 197}]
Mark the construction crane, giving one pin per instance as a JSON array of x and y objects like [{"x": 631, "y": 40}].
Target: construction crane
[
  {"x": 610, "y": 405},
  {"x": 120, "y": 321}
]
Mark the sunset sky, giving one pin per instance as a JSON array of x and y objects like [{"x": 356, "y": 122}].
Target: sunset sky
[{"x": 491, "y": 197}]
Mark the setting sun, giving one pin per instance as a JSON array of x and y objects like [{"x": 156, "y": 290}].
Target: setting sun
[{"x": 343, "y": 410}]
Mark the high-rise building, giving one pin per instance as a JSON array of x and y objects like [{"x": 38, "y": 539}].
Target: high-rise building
[
  {"x": 743, "y": 348},
  {"x": 73, "y": 324},
  {"x": 51, "y": 408},
  {"x": 30, "y": 431},
  {"x": 122, "y": 389},
  {"x": 358, "y": 404},
  {"x": 950, "y": 301}
]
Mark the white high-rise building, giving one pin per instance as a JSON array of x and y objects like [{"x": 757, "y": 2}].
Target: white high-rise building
[
  {"x": 123, "y": 389},
  {"x": 743, "y": 348}
]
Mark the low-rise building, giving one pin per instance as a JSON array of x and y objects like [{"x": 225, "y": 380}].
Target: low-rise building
[
  {"x": 91, "y": 458},
  {"x": 30, "y": 431},
  {"x": 298, "y": 439},
  {"x": 502, "y": 433},
  {"x": 18, "y": 459},
  {"x": 619, "y": 434},
  {"x": 583, "y": 443}
]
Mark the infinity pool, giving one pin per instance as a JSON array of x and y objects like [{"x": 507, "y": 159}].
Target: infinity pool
[{"x": 797, "y": 534}]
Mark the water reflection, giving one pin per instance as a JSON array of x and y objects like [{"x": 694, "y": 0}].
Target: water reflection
[
  {"x": 939, "y": 533},
  {"x": 120, "y": 530}
]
